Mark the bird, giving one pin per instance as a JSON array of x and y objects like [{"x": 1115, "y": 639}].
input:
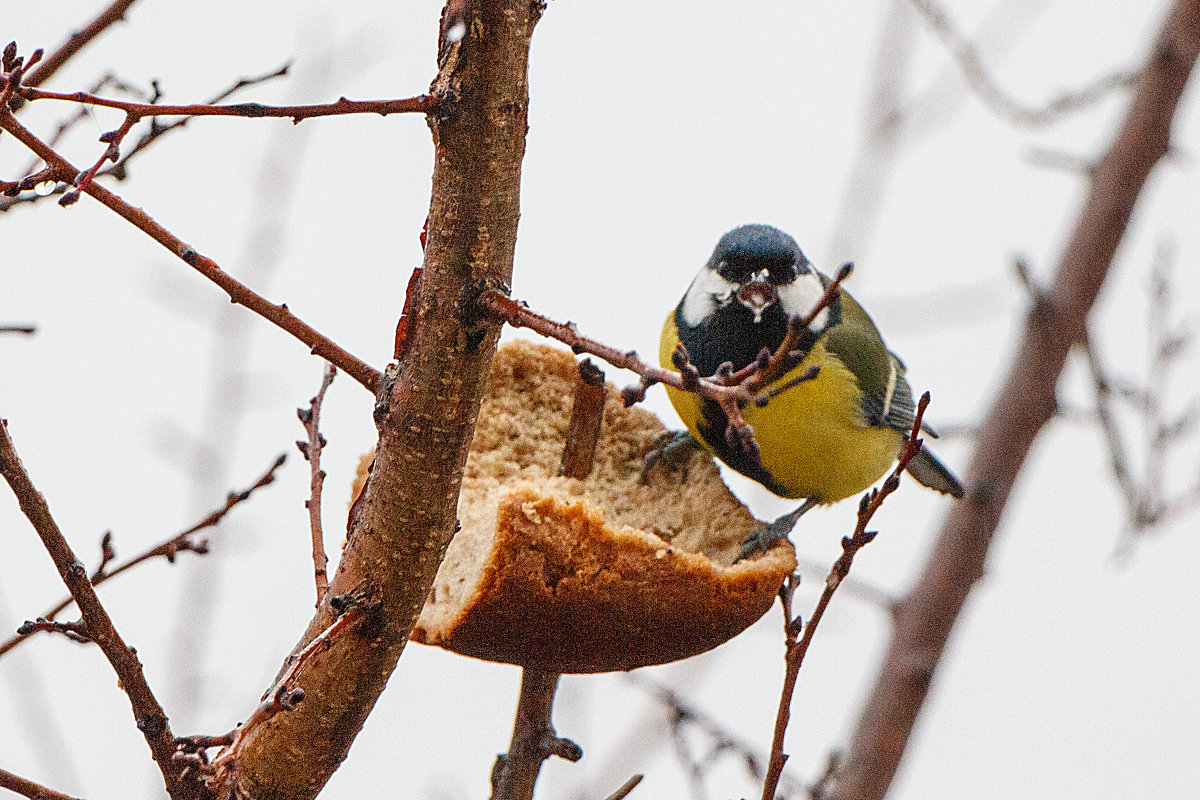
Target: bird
[{"x": 819, "y": 440}]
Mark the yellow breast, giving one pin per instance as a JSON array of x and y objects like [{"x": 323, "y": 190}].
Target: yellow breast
[{"x": 813, "y": 438}]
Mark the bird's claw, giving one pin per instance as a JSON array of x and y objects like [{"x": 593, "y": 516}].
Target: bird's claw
[{"x": 760, "y": 540}]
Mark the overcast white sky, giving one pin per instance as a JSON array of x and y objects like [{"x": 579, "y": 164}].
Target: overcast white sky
[{"x": 654, "y": 127}]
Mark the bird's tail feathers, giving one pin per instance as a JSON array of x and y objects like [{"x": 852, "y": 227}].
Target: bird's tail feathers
[{"x": 932, "y": 473}]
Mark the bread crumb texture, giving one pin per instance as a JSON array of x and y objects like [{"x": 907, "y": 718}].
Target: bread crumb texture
[{"x": 608, "y": 573}]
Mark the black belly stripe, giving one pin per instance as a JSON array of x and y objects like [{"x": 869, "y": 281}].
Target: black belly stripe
[{"x": 712, "y": 425}]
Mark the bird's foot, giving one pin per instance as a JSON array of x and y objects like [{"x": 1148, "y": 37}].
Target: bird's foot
[
  {"x": 761, "y": 540},
  {"x": 671, "y": 449}
]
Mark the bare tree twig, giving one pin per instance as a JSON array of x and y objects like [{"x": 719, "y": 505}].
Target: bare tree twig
[
  {"x": 625, "y": 788},
  {"x": 27, "y": 788},
  {"x": 158, "y": 130},
  {"x": 113, "y": 14},
  {"x": 985, "y": 87},
  {"x": 311, "y": 449},
  {"x": 796, "y": 649},
  {"x": 1055, "y": 159},
  {"x": 533, "y": 739},
  {"x": 283, "y": 696},
  {"x": 1022, "y": 407},
  {"x": 75, "y": 631},
  {"x": 420, "y": 104},
  {"x": 151, "y": 719},
  {"x": 239, "y": 293},
  {"x": 168, "y": 549},
  {"x": 583, "y": 429},
  {"x": 682, "y": 713},
  {"x": 1118, "y": 457},
  {"x": 155, "y": 131}
]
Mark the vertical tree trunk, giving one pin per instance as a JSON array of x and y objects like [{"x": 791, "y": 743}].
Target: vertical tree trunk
[{"x": 426, "y": 406}]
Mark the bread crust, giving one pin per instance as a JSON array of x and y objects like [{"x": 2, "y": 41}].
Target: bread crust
[{"x": 609, "y": 573}]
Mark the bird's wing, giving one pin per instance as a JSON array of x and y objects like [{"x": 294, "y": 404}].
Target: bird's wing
[
  {"x": 889, "y": 404},
  {"x": 887, "y": 400}
]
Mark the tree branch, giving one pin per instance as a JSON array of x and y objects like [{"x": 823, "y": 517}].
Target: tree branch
[
  {"x": 239, "y": 293},
  {"x": 1022, "y": 407},
  {"x": 425, "y": 409},
  {"x": 151, "y": 719},
  {"x": 311, "y": 449},
  {"x": 970, "y": 64},
  {"x": 168, "y": 549},
  {"x": 78, "y": 40},
  {"x": 534, "y": 739},
  {"x": 421, "y": 104},
  {"x": 797, "y": 649},
  {"x": 27, "y": 788},
  {"x": 17, "y": 193}
]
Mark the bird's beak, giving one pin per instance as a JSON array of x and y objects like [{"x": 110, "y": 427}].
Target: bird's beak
[{"x": 757, "y": 296}]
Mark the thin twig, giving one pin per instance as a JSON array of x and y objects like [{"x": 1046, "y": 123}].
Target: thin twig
[
  {"x": 533, "y": 739},
  {"x": 181, "y": 542},
  {"x": 731, "y": 390},
  {"x": 27, "y": 788},
  {"x": 1022, "y": 407},
  {"x": 311, "y": 449},
  {"x": 682, "y": 712},
  {"x": 158, "y": 130},
  {"x": 583, "y": 431},
  {"x": 78, "y": 40},
  {"x": 283, "y": 696},
  {"x": 796, "y": 650},
  {"x": 75, "y": 631},
  {"x": 626, "y": 788},
  {"x": 1118, "y": 457},
  {"x": 239, "y": 293},
  {"x": 980, "y": 80},
  {"x": 419, "y": 104},
  {"x": 151, "y": 719},
  {"x": 118, "y": 170}
]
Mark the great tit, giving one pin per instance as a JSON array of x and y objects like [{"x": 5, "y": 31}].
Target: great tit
[{"x": 821, "y": 440}]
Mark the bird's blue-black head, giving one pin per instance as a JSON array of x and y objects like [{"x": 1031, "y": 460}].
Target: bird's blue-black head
[
  {"x": 748, "y": 249},
  {"x": 740, "y": 302}
]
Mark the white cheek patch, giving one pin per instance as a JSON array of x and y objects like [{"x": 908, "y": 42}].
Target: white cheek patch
[
  {"x": 708, "y": 292},
  {"x": 800, "y": 296}
]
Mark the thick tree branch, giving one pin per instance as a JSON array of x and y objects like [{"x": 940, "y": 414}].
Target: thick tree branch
[
  {"x": 1022, "y": 407},
  {"x": 425, "y": 410},
  {"x": 151, "y": 719}
]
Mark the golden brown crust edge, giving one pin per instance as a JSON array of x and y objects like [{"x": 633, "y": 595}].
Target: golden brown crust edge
[
  {"x": 567, "y": 593},
  {"x": 546, "y": 574}
]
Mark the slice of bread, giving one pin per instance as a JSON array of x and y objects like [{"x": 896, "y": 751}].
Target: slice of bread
[{"x": 609, "y": 573}]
